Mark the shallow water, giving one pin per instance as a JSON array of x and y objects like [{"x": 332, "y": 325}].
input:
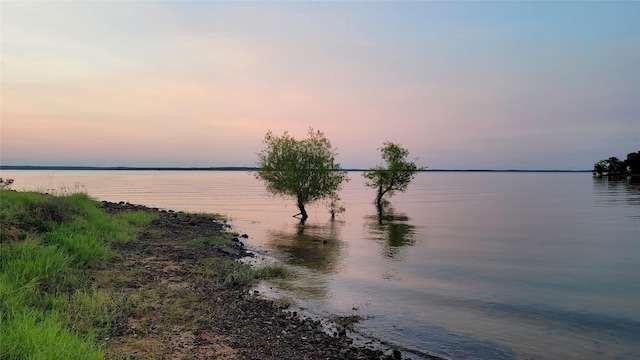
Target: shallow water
[{"x": 470, "y": 265}]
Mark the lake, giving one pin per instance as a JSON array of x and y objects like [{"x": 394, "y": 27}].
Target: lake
[{"x": 469, "y": 265}]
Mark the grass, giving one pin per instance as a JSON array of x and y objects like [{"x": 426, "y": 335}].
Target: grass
[
  {"x": 94, "y": 309},
  {"x": 37, "y": 334},
  {"x": 231, "y": 273},
  {"x": 273, "y": 271},
  {"x": 245, "y": 275},
  {"x": 48, "y": 309}
]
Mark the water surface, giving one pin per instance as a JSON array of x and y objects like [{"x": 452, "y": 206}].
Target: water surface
[{"x": 467, "y": 265}]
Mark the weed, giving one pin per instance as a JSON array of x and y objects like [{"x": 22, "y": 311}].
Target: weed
[
  {"x": 284, "y": 302},
  {"x": 273, "y": 271},
  {"x": 5, "y": 184},
  {"x": 346, "y": 322},
  {"x": 231, "y": 273},
  {"x": 240, "y": 277},
  {"x": 64, "y": 189}
]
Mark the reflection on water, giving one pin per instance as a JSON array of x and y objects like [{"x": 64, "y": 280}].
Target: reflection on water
[
  {"x": 317, "y": 247},
  {"x": 392, "y": 231},
  {"x": 624, "y": 193}
]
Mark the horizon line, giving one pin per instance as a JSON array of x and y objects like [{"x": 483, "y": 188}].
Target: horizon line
[{"x": 242, "y": 168}]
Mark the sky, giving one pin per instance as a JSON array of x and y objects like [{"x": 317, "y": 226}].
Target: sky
[{"x": 461, "y": 85}]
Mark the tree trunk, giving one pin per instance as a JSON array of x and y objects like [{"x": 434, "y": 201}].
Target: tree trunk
[
  {"x": 379, "y": 200},
  {"x": 303, "y": 213}
]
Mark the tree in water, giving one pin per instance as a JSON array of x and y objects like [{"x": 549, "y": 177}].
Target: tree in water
[
  {"x": 613, "y": 167},
  {"x": 600, "y": 168},
  {"x": 633, "y": 162},
  {"x": 396, "y": 175},
  {"x": 303, "y": 169}
]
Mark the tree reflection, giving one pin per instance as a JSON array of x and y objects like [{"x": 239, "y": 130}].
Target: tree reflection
[
  {"x": 392, "y": 231},
  {"x": 317, "y": 247},
  {"x": 618, "y": 193}
]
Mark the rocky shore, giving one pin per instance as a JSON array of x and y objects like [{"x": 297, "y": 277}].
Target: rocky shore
[{"x": 189, "y": 315}]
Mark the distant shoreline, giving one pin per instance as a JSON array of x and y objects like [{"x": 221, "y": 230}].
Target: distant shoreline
[{"x": 244, "y": 168}]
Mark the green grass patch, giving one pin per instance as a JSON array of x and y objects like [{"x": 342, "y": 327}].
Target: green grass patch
[
  {"x": 36, "y": 334},
  {"x": 87, "y": 248},
  {"x": 93, "y": 309},
  {"x": 48, "y": 308}
]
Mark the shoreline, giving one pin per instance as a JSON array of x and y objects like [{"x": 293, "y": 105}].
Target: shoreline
[{"x": 234, "y": 321}]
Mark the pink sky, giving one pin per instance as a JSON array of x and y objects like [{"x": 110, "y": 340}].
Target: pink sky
[{"x": 461, "y": 85}]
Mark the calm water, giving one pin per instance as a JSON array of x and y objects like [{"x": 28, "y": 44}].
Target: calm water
[{"x": 470, "y": 265}]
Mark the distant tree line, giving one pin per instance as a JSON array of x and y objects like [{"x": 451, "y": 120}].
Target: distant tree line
[{"x": 615, "y": 168}]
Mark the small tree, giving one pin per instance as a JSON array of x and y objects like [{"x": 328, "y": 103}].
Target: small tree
[
  {"x": 303, "y": 169},
  {"x": 395, "y": 176}
]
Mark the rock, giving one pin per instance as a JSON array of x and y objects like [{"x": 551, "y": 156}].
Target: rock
[
  {"x": 231, "y": 251},
  {"x": 397, "y": 355}
]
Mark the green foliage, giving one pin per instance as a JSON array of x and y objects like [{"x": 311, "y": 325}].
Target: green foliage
[
  {"x": 303, "y": 169},
  {"x": 395, "y": 175}
]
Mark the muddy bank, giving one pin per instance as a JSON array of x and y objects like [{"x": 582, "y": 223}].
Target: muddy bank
[{"x": 187, "y": 314}]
